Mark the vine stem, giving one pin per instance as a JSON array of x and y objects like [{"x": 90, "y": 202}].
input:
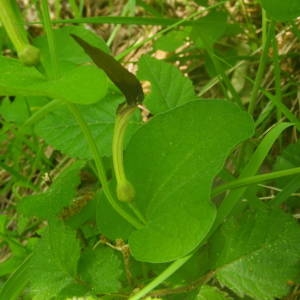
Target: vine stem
[
  {"x": 161, "y": 277},
  {"x": 100, "y": 168},
  {"x": 82, "y": 124}
]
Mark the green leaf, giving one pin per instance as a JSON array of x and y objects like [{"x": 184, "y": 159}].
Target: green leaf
[
  {"x": 17, "y": 79},
  {"x": 279, "y": 10},
  {"x": 106, "y": 216},
  {"x": 101, "y": 269},
  {"x": 209, "y": 29},
  {"x": 171, "y": 40},
  {"x": 171, "y": 161},
  {"x": 83, "y": 84},
  {"x": 53, "y": 264},
  {"x": 15, "y": 111},
  {"x": 259, "y": 255},
  {"x": 68, "y": 52},
  {"x": 48, "y": 204},
  {"x": 59, "y": 128},
  {"x": 169, "y": 87},
  {"x": 211, "y": 293}
]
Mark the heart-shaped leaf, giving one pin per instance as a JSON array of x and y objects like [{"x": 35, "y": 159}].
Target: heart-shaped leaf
[{"x": 171, "y": 161}]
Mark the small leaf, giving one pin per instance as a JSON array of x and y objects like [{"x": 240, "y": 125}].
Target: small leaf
[
  {"x": 279, "y": 10},
  {"x": 259, "y": 255},
  {"x": 208, "y": 292},
  {"x": 53, "y": 264},
  {"x": 59, "y": 195},
  {"x": 101, "y": 269},
  {"x": 171, "y": 161},
  {"x": 169, "y": 87}
]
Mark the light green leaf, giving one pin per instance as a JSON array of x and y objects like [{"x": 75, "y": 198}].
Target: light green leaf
[
  {"x": 53, "y": 264},
  {"x": 83, "y": 84},
  {"x": 171, "y": 161},
  {"x": 258, "y": 256},
  {"x": 169, "y": 87},
  {"x": 101, "y": 269},
  {"x": 48, "y": 204},
  {"x": 279, "y": 10}
]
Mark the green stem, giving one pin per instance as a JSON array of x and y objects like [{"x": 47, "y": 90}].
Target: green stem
[
  {"x": 171, "y": 269},
  {"x": 242, "y": 182},
  {"x": 100, "y": 168},
  {"x": 83, "y": 126},
  {"x": 50, "y": 38},
  {"x": 266, "y": 39},
  {"x": 13, "y": 24}
]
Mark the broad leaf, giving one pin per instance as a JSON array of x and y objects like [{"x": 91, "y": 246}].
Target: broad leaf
[
  {"x": 48, "y": 204},
  {"x": 171, "y": 161},
  {"x": 279, "y": 10},
  {"x": 101, "y": 269},
  {"x": 258, "y": 256},
  {"x": 169, "y": 87},
  {"x": 54, "y": 261}
]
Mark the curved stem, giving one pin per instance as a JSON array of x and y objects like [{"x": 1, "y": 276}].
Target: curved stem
[{"x": 100, "y": 169}]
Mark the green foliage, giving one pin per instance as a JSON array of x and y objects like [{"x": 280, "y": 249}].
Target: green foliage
[
  {"x": 281, "y": 10},
  {"x": 168, "y": 87},
  {"x": 47, "y": 205},
  {"x": 246, "y": 256},
  {"x": 198, "y": 225},
  {"x": 53, "y": 264},
  {"x": 101, "y": 268},
  {"x": 167, "y": 166}
]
